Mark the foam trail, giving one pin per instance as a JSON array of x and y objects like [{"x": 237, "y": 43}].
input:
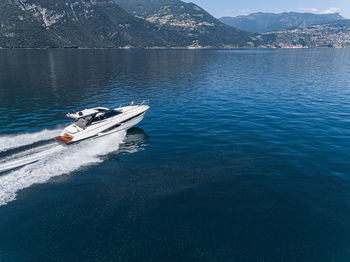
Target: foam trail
[
  {"x": 27, "y": 157},
  {"x": 15, "y": 141},
  {"x": 28, "y": 152},
  {"x": 64, "y": 161}
]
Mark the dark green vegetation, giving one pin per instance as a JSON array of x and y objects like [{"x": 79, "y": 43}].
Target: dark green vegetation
[
  {"x": 191, "y": 21},
  {"x": 46, "y": 23},
  {"x": 265, "y": 22},
  {"x": 103, "y": 23},
  {"x": 154, "y": 24}
]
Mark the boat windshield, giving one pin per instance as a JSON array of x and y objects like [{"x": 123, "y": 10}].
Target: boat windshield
[{"x": 108, "y": 114}]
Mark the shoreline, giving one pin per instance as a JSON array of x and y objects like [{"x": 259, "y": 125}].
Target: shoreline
[{"x": 166, "y": 48}]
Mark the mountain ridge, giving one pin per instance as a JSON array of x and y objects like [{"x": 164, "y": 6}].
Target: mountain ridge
[
  {"x": 261, "y": 22},
  {"x": 137, "y": 24},
  {"x": 190, "y": 20},
  {"x": 83, "y": 23},
  {"x": 334, "y": 34},
  {"x": 104, "y": 24}
]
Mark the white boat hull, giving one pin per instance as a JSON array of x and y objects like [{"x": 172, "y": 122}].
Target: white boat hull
[{"x": 130, "y": 116}]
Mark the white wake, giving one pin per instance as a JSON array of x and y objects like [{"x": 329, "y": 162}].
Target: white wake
[
  {"x": 45, "y": 162},
  {"x": 15, "y": 141},
  {"x": 28, "y": 156}
]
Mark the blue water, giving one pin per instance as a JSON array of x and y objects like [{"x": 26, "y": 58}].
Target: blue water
[{"x": 243, "y": 156}]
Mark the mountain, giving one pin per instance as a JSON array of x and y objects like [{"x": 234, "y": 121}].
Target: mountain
[
  {"x": 191, "y": 21},
  {"x": 265, "y": 22},
  {"x": 81, "y": 23},
  {"x": 149, "y": 24},
  {"x": 334, "y": 34},
  {"x": 103, "y": 23}
]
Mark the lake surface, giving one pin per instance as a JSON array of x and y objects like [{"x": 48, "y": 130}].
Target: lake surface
[{"x": 243, "y": 156}]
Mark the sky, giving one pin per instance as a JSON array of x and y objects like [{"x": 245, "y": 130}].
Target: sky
[{"x": 220, "y": 8}]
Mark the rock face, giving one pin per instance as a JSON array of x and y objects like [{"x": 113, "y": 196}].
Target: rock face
[
  {"x": 145, "y": 24},
  {"x": 334, "y": 34},
  {"x": 191, "y": 21},
  {"x": 82, "y": 23},
  {"x": 103, "y": 23},
  {"x": 265, "y": 22}
]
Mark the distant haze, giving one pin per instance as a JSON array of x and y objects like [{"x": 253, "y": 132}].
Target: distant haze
[
  {"x": 221, "y": 8},
  {"x": 265, "y": 22}
]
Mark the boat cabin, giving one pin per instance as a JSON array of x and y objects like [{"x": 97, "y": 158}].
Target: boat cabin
[{"x": 92, "y": 116}]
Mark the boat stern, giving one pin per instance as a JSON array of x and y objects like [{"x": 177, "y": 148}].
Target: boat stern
[{"x": 65, "y": 138}]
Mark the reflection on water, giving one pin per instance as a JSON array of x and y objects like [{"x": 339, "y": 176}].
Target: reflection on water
[
  {"x": 39, "y": 85},
  {"x": 243, "y": 155},
  {"x": 134, "y": 141}
]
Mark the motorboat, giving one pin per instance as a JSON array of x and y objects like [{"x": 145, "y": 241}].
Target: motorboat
[{"x": 101, "y": 121}]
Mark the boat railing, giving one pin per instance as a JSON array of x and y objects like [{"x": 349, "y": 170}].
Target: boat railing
[{"x": 135, "y": 103}]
